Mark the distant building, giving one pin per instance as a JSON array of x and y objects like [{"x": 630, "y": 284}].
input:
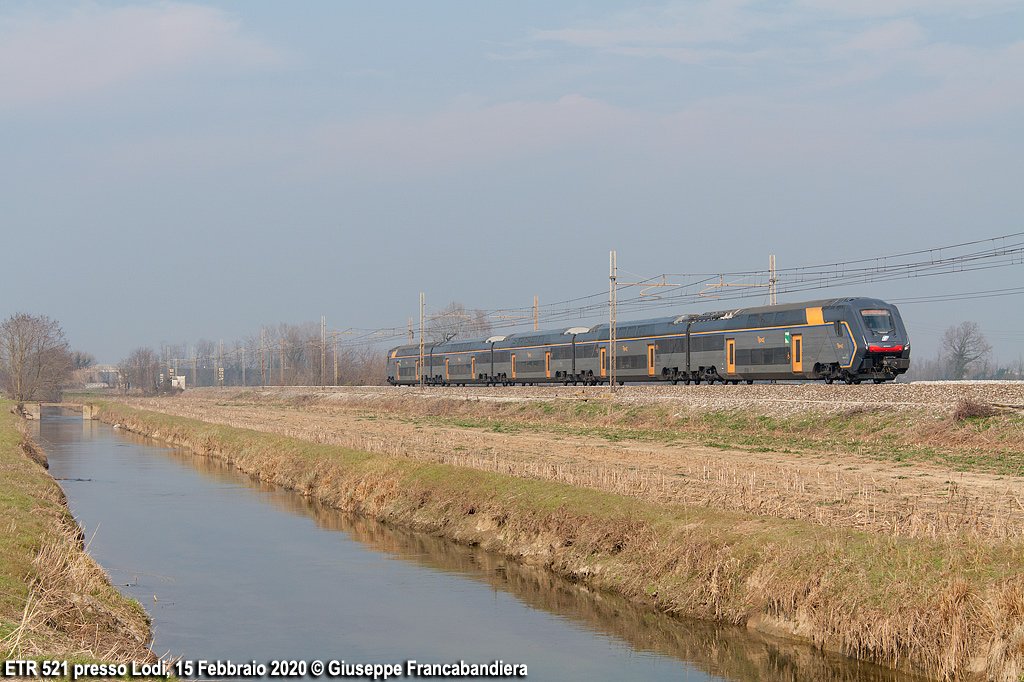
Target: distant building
[{"x": 102, "y": 376}]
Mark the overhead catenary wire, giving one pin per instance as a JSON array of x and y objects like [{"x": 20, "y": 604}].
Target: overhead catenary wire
[{"x": 969, "y": 256}]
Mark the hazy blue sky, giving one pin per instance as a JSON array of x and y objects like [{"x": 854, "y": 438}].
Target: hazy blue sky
[{"x": 171, "y": 171}]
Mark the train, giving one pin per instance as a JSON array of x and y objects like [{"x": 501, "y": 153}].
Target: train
[{"x": 843, "y": 339}]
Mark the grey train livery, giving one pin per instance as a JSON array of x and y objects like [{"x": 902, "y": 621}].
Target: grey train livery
[{"x": 843, "y": 339}]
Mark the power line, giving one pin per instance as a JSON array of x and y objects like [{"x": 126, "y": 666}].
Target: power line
[
  {"x": 966, "y": 296},
  {"x": 968, "y": 256}
]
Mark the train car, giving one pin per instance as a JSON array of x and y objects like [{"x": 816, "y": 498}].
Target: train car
[{"x": 843, "y": 339}]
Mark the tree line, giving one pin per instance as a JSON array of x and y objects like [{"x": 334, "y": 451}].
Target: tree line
[
  {"x": 283, "y": 355},
  {"x": 36, "y": 361},
  {"x": 964, "y": 353}
]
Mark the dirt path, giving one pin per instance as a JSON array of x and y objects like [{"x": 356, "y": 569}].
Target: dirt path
[{"x": 831, "y": 488}]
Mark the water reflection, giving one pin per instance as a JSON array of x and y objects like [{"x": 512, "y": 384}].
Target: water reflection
[{"x": 637, "y": 642}]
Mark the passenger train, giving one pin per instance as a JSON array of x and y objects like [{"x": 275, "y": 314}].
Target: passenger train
[{"x": 843, "y": 339}]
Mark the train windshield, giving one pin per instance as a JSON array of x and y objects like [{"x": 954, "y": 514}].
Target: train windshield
[{"x": 879, "y": 321}]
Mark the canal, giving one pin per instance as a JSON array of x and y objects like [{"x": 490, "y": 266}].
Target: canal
[{"x": 234, "y": 569}]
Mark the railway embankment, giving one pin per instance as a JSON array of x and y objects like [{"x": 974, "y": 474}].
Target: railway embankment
[
  {"x": 925, "y": 589},
  {"x": 56, "y": 603}
]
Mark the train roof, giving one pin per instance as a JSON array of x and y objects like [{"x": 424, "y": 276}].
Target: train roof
[
  {"x": 819, "y": 303},
  {"x": 678, "y": 319}
]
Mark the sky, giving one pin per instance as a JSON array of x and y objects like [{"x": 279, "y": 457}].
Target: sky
[{"x": 176, "y": 171}]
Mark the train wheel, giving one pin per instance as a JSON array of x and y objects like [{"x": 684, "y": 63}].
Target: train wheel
[
  {"x": 749, "y": 382},
  {"x": 829, "y": 379}
]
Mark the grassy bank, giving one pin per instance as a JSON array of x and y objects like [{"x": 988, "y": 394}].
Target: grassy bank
[
  {"x": 55, "y": 602},
  {"x": 949, "y": 608},
  {"x": 925, "y": 474},
  {"x": 989, "y": 444}
]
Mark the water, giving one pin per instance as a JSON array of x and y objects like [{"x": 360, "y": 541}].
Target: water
[{"x": 233, "y": 569}]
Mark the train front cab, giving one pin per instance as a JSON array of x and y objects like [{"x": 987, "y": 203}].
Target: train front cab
[
  {"x": 886, "y": 352},
  {"x": 879, "y": 346}
]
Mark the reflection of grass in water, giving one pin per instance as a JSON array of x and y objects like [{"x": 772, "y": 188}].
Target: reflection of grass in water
[
  {"x": 762, "y": 486},
  {"x": 55, "y": 602},
  {"x": 731, "y": 652},
  {"x": 878, "y": 596}
]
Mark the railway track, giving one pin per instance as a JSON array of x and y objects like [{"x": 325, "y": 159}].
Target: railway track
[{"x": 766, "y": 398}]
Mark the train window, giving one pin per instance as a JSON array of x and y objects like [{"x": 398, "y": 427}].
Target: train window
[
  {"x": 753, "y": 321},
  {"x": 839, "y": 328},
  {"x": 879, "y": 321},
  {"x": 787, "y": 317}
]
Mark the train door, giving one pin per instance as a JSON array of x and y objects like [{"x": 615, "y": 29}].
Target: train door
[
  {"x": 417, "y": 371},
  {"x": 730, "y": 356},
  {"x": 650, "y": 359},
  {"x": 798, "y": 353},
  {"x": 547, "y": 364},
  {"x": 513, "y": 365},
  {"x": 472, "y": 367},
  {"x": 447, "y": 377},
  {"x": 604, "y": 362}
]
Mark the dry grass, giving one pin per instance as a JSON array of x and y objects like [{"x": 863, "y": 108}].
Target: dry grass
[
  {"x": 55, "y": 602},
  {"x": 950, "y": 607},
  {"x": 72, "y": 610},
  {"x": 968, "y": 408},
  {"x": 728, "y": 461}
]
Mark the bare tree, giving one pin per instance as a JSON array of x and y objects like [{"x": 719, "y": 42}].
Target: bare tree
[
  {"x": 962, "y": 346},
  {"x": 205, "y": 363},
  {"x": 82, "y": 360},
  {"x": 139, "y": 371},
  {"x": 457, "y": 322},
  {"x": 34, "y": 357},
  {"x": 480, "y": 325},
  {"x": 361, "y": 366}
]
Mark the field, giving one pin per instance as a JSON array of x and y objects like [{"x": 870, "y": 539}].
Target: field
[
  {"x": 892, "y": 459},
  {"x": 882, "y": 522}
]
